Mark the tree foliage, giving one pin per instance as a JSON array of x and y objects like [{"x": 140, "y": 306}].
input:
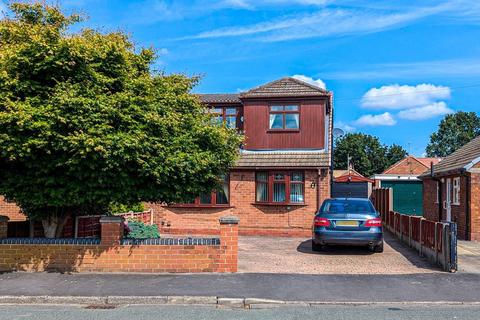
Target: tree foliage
[
  {"x": 84, "y": 122},
  {"x": 454, "y": 131},
  {"x": 366, "y": 153}
]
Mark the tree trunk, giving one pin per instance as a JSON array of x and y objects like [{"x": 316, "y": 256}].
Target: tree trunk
[{"x": 53, "y": 225}]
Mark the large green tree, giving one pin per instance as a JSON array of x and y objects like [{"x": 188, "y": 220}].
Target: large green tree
[
  {"x": 84, "y": 122},
  {"x": 454, "y": 131},
  {"x": 367, "y": 154}
]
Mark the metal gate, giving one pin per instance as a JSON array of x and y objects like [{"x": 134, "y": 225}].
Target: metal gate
[{"x": 350, "y": 190}]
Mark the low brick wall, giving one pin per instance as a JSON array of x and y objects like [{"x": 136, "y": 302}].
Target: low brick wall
[{"x": 111, "y": 253}]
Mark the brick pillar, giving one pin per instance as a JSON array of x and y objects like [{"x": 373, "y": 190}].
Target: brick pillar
[
  {"x": 112, "y": 230},
  {"x": 229, "y": 243},
  {"x": 3, "y": 226}
]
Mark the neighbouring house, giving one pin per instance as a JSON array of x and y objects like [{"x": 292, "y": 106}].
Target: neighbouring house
[
  {"x": 452, "y": 190},
  {"x": 283, "y": 174},
  {"x": 402, "y": 177},
  {"x": 351, "y": 184}
]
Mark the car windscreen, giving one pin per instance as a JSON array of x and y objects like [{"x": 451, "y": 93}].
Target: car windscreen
[{"x": 347, "y": 206}]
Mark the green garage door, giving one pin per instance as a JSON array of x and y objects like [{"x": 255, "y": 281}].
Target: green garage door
[{"x": 407, "y": 196}]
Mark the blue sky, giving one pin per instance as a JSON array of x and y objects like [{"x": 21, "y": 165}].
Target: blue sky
[{"x": 395, "y": 67}]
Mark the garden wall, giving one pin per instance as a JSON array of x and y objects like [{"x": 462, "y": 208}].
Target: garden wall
[{"x": 112, "y": 253}]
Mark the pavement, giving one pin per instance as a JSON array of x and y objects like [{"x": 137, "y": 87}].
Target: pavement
[
  {"x": 468, "y": 256},
  {"x": 397, "y": 312},
  {"x": 295, "y": 255},
  {"x": 429, "y": 287}
]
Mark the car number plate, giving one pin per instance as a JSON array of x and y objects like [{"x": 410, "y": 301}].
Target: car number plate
[{"x": 347, "y": 223}]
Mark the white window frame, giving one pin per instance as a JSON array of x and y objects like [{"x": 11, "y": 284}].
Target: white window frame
[
  {"x": 437, "y": 184},
  {"x": 456, "y": 191}
]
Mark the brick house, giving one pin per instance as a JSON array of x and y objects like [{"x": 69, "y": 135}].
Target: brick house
[
  {"x": 283, "y": 174},
  {"x": 284, "y": 171},
  {"x": 451, "y": 191},
  {"x": 402, "y": 177}
]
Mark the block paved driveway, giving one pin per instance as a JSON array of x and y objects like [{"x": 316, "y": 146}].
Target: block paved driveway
[{"x": 294, "y": 255}]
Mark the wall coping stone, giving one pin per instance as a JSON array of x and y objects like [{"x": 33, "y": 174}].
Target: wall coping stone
[
  {"x": 173, "y": 241},
  {"x": 4, "y": 219},
  {"x": 76, "y": 241},
  {"x": 112, "y": 219},
  {"x": 229, "y": 220}
]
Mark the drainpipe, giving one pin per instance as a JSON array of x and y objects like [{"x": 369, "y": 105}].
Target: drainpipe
[{"x": 439, "y": 191}]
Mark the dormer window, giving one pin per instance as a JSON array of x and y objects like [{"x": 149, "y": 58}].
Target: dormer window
[{"x": 284, "y": 117}]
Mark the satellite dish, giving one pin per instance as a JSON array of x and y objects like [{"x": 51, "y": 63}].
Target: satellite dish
[{"x": 337, "y": 132}]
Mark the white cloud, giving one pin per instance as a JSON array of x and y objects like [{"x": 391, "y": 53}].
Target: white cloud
[
  {"x": 436, "y": 68},
  {"x": 322, "y": 23},
  {"x": 426, "y": 112},
  {"x": 318, "y": 82},
  {"x": 384, "y": 119},
  {"x": 404, "y": 97}
]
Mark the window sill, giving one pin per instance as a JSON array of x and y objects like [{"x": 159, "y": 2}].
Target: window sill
[
  {"x": 283, "y": 130},
  {"x": 279, "y": 204},
  {"x": 206, "y": 206}
]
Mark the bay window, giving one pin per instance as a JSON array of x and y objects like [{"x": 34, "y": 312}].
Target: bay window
[
  {"x": 285, "y": 117},
  {"x": 280, "y": 187}
]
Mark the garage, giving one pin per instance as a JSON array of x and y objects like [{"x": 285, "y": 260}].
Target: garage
[
  {"x": 407, "y": 196},
  {"x": 350, "y": 184}
]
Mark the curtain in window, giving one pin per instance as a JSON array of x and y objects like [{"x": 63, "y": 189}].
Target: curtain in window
[
  {"x": 292, "y": 121},
  {"x": 296, "y": 187},
  {"x": 262, "y": 187},
  {"x": 276, "y": 121},
  {"x": 279, "y": 192}
]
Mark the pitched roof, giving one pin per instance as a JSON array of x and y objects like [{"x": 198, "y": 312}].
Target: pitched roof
[
  {"x": 350, "y": 176},
  {"x": 463, "y": 158},
  {"x": 220, "y": 98},
  {"x": 410, "y": 165},
  {"x": 428, "y": 161},
  {"x": 285, "y": 87},
  {"x": 282, "y": 159}
]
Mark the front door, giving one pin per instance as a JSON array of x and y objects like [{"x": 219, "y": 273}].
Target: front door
[{"x": 448, "y": 199}]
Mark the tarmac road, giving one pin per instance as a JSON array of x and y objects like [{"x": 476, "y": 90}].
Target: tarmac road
[{"x": 373, "y": 312}]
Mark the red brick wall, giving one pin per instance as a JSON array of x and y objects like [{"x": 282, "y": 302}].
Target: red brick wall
[
  {"x": 124, "y": 258},
  {"x": 459, "y": 212},
  {"x": 430, "y": 207},
  {"x": 254, "y": 219},
  {"x": 475, "y": 206},
  {"x": 11, "y": 210},
  {"x": 408, "y": 165}
]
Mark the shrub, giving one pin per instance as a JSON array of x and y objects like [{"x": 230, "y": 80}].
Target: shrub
[
  {"x": 117, "y": 208},
  {"x": 140, "y": 230}
]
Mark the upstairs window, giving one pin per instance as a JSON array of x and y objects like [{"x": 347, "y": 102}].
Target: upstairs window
[
  {"x": 285, "y": 117},
  {"x": 277, "y": 187},
  {"x": 227, "y": 115}
]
